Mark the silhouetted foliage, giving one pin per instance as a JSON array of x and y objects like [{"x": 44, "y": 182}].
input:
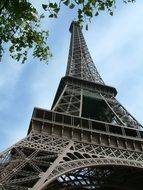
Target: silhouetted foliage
[{"x": 20, "y": 24}]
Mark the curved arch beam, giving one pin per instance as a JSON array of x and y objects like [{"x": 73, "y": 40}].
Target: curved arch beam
[{"x": 66, "y": 167}]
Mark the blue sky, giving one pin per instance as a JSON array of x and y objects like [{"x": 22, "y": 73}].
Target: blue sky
[{"x": 116, "y": 46}]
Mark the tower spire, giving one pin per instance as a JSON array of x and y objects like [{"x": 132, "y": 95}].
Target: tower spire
[{"x": 80, "y": 64}]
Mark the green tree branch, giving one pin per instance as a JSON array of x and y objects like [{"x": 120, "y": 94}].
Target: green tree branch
[{"x": 20, "y": 24}]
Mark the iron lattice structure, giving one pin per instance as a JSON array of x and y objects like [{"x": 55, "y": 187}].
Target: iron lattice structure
[{"x": 88, "y": 140}]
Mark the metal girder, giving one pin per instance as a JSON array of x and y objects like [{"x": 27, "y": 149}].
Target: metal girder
[
  {"x": 81, "y": 155},
  {"x": 80, "y": 63},
  {"x": 58, "y": 157},
  {"x": 25, "y": 161},
  {"x": 87, "y": 141},
  {"x": 124, "y": 115},
  {"x": 69, "y": 101}
]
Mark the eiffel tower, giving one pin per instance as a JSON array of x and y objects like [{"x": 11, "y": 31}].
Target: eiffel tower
[{"x": 88, "y": 140}]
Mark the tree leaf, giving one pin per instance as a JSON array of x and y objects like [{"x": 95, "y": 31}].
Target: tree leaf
[
  {"x": 71, "y": 6},
  {"x": 56, "y": 10},
  {"x": 44, "y": 6},
  {"x": 111, "y": 13},
  {"x": 67, "y": 2},
  {"x": 80, "y": 1},
  {"x": 51, "y": 16},
  {"x": 97, "y": 13}
]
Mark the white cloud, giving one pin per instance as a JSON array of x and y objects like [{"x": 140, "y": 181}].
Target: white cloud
[{"x": 9, "y": 75}]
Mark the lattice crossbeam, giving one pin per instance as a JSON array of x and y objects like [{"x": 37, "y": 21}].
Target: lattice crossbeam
[{"x": 80, "y": 63}]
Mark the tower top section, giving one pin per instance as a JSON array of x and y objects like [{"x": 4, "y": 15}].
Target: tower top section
[
  {"x": 73, "y": 24},
  {"x": 80, "y": 64}
]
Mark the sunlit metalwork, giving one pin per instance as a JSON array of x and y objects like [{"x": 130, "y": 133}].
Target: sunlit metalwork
[{"x": 88, "y": 140}]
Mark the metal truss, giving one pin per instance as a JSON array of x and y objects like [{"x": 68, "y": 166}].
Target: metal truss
[
  {"x": 41, "y": 159},
  {"x": 70, "y": 100},
  {"x": 21, "y": 164},
  {"x": 80, "y": 63},
  {"x": 81, "y": 155},
  {"x": 124, "y": 115},
  {"x": 87, "y": 141},
  {"x": 108, "y": 178}
]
